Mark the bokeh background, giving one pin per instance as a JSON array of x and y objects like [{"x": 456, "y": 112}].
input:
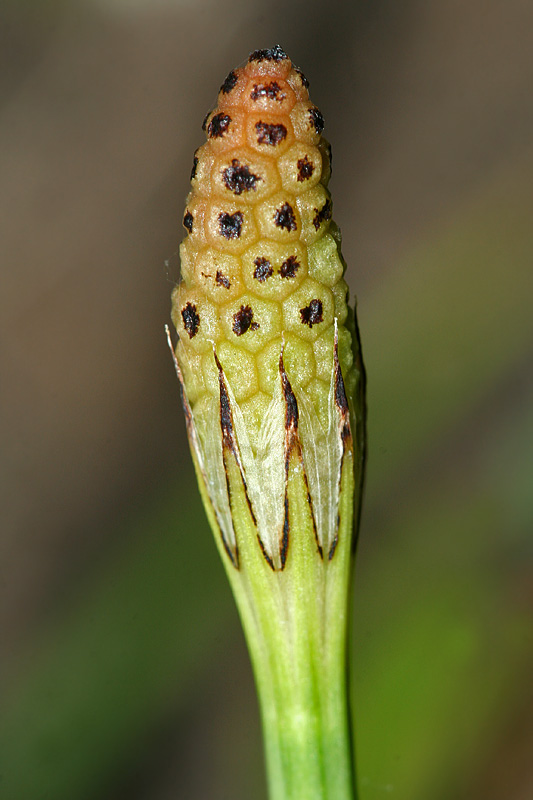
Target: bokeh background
[{"x": 123, "y": 670}]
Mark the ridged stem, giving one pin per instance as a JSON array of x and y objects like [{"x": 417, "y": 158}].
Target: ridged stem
[
  {"x": 295, "y": 622},
  {"x": 303, "y": 695}
]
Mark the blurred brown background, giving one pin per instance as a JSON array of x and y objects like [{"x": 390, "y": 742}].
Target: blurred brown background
[{"x": 123, "y": 671}]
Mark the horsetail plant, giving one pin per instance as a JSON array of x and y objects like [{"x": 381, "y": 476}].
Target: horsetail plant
[{"x": 272, "y": 384}]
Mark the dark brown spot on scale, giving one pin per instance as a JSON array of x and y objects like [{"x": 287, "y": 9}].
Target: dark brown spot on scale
[
  {"x": 303, "y": 79},
  {"x": 270, "y": 133},
  {"x": 222, "y": 280},
  {"x": 218, "y": 126},
  {"x": 191, "y": 319},
  {"x": 194, "y": 167},
  {"x": 204, "y": 123},
  {"x": 188, "y": 221},
  {"x": 229, "y": 83},
  {"x": 290, "y": 267},
  {"x": 317, "y": 120},
  {"x": 305, "y": 168},
  {"x": 322, "y": 215},
  {"x": 275, "y": 53},
  {"x": 238, "y": 178},
  {"x": 243, "y": 321},
  {"x": 263, "y": 269},
  {"x": 230, "y": 224},
  {"x": 270, "y": 90},
  {"x": 284, "y": 217},
  {"x": 312, "y": 314}
]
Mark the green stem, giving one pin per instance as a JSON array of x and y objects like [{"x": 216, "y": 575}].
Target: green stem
[
  {"x": 301, "y": 676},
  {"x": 307, "y": 739},
  {"x": 295, "y": 623}
]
